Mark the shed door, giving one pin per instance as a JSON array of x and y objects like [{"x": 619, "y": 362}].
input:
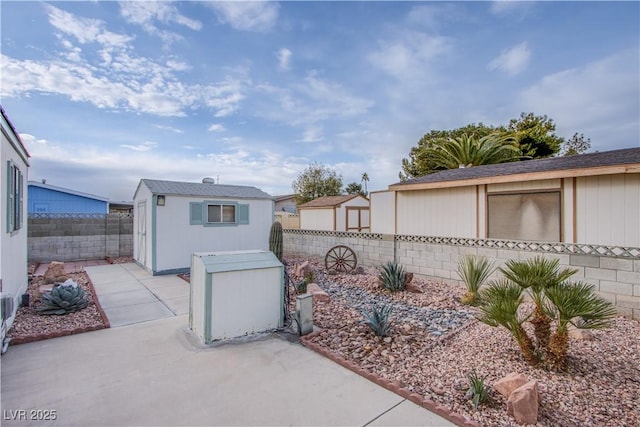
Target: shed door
[{"x": 142, "y": 233}]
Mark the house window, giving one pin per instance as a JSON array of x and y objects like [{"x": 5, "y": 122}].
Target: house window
[
  {"x": 225, "y": 214},
  {"x": 14, "y": 197},
  {"x": 524, "y": 216}
]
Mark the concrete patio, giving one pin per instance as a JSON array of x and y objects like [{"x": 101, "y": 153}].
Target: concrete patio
[{"x": 150, "y": 371}]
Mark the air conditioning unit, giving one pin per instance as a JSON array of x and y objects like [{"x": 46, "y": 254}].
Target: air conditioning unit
[{"x": 6, "y": 305}]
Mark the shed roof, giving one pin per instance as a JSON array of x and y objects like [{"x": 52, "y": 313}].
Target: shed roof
[
  {"x": 599, "y": 163},
  {"x": 200, "y": 189},
  {"x": 328, "y": 201},
  {"x": 67, "y": 191}
]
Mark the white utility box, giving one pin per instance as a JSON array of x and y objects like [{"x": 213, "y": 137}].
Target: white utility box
[{"x": 235, "y": 293}]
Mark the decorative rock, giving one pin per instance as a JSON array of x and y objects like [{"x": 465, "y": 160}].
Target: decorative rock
[
  {"x": 505, "y": 386},
  {"x": 408, "y": 277},
  {"x": 523, "y": 403},
  {"x": 317, "y": 292},
  {"x": 414, "y": 288},
  {"x": 43, "y": 289},
  {"x": 302, "y": 269},
  {"x": 54, "y": 271},
  {"x": 581, "y": 334}
]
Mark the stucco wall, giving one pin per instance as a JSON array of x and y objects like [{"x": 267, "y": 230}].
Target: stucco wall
[{"x": 616, "y": 278}]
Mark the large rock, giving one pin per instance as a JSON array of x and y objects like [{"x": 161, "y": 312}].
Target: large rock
[
  {"x": 302, "y": 269},
  {"x": 54, "y": 272},
  {"x": 523, "y": 403},
  {"x": 317, "y": 292},
  {"x": 581, "y": 334},
  {"x": 512, "y": 381}
]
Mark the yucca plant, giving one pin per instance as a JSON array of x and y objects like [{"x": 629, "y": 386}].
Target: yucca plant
[
  {"x": 63, "y": 299},
  {"x": 393, "y": 276},
  {"x": 474, "y": 271},
  {"x": 501, "y": 300},
  {"x": 536, "y": 275},
  {"x": 477, "y": 391},
  {"x": 378, "y": 320},
  {"x": 576, "y": 304}
]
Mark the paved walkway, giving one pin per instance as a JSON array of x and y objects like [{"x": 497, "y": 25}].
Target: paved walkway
[{"x": 152, "y": 372}]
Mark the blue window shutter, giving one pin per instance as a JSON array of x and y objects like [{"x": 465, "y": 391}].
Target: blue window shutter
[
  {"x": 196, "y": 213},
  {"x": 243, "y": 214},
  {"x": 10, "y": 197},
  {"x": 19, "y": 201}
]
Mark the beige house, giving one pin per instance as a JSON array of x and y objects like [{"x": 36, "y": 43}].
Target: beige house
[
  {"x": 335, "y": 213},
  {"x": 588, "y": 199}
]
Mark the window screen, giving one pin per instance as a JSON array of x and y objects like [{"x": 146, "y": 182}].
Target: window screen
[
  {"x": 221, "y": 213},
  {"x": 528, "y": 216}
]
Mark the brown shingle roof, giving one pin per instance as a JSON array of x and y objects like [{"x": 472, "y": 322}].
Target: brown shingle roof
[
  {"x": 566, "y": 163},
  {"x": 327, "y": 201}
]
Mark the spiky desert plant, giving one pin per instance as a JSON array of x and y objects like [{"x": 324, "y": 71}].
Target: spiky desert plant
[
  {"x": 378, "y": 320},
  {"x": 536, "y": 275},
  {"x": 477, "y": 391},
  {"x": 474, "y": 271},
  {"x": 570, "y": 302},
  {"x": 500, "y": 302},
  {"x": 63, "y": 299},
  {"x": 393, "y": 276},
  {"x": 275, "y": 239}
]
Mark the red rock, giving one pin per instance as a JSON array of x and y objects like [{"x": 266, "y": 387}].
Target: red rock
[
  {"x": 414, "y": 288},
  {"x": 523, "y": 403},
  {"x": 317, "y": 292},
  {"x": 581, "y": 334},
  {"x": 505, "y": 386},
  {"x": 302, "y": 269},
  {"x": 55, "y": 272}
]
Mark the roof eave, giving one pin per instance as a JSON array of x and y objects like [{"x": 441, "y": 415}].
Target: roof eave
[{"x": 527, "y": 176}]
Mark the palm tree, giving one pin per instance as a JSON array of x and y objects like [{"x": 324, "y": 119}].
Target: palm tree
[
  {"x": 467, "y": 150},
  {"x": 537, "y": 274},
  {"x": 364, "y": 180},
  {"x": 500, "y": 303},
  {"x": 576, "y": 304}
]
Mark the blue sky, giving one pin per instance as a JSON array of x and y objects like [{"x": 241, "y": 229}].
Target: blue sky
[{"x": 107, "y": 93}]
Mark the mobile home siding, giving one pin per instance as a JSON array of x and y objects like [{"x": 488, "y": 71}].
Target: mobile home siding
[
  {"x": 447, "y": 212},
  {"x": 608, "y": 210},
  {"x": 317, "y": 219},
  {"x": 383, "y": 212},
  {"x": 44, "y": 200}
]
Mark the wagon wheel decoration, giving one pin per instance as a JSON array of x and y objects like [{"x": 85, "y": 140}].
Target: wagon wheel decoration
[{"x": 340, "y": 259}]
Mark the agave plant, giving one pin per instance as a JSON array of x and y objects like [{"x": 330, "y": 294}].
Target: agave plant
[
  {"x": 474, "y": 271},
  {"x": 477, "y": 391},
  {"x": 63, "y": 299},
  {"x": 537, "y": 275},
  {"x": 570, "y": 302},
  {"x": 500, "y": 303},
  {"x": 393, "y": 276},
  {"x": 379, "y": 320}
]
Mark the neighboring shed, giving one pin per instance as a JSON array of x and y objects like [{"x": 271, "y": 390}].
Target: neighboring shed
[
  {"x": 588, "y": 198},
  {"x": 286, "y": 203},
  {"x": 14, "y": 161},
  {"x": 173, "y": 220},
  {"x": 46, "y": 198},
  {"x": 335, "y": 213}
]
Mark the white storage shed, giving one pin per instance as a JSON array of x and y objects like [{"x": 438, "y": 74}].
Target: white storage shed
[
  {"x": 335, "y": 213},
  {"x": 173, "y": 220}
]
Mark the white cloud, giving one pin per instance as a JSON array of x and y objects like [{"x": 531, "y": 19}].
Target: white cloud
[
  {"x": 145, "y": 146},
  {"x": 147, "y": 13},
  {"x": 169, "y": 128},
  {"x": 284, "y": 58},
  {"x": 312, "y": 134},
  {"x": 510, "y": 7},
  {"x": 257, "y": 16},
  {"x": 592, "y": 99},
  {"x": 122, "y": 80},
  {"x": 216, "y": 127},
  {"x": 512, "y": 61}
]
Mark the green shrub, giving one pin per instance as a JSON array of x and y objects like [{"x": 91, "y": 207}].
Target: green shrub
[
  {"x": 393, "y": 276},
  {"x": 477, "y": 391},
  {"x": 474, "y": 271},
  {"x": 63, "y": 299},
  {"x": 379, "y": 320}
]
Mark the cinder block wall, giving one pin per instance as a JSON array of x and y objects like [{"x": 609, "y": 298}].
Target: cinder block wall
[
  {"x": 616, "y": 278},
  {"x": 83, "y": 237}
]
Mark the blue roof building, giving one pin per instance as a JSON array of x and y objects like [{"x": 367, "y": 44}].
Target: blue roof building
[{"x": 45, "y": 198}]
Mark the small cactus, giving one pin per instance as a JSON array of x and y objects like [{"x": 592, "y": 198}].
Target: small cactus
[
  {"x": 275, "y": 239},
  {"x": 63, "y": 299}
]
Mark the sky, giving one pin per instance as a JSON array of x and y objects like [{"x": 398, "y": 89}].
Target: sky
[{"x": 106, "y": 93}]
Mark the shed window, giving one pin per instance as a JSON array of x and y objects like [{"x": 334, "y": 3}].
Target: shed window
[
  {"x": 225, "y": 214},
  {"x": 14, "y": 197},
  {"x": 524, "y": 216}
]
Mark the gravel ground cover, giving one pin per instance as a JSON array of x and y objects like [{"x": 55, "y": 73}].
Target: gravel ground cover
[{"x": 436, "y": 342}]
